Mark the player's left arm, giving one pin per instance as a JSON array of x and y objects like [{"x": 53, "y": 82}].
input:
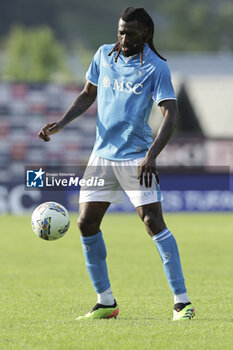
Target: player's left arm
[{"x": 148, "y": 166}]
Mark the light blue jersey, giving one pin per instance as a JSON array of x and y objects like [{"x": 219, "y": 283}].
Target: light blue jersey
[{"x": 126, "y": 91}]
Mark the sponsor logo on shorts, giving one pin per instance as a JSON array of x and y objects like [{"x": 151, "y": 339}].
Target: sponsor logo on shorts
[{"x": 148, "y": 193}]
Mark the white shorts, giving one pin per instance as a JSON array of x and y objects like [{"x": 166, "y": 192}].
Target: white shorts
[{"x": 117, "y": 176}]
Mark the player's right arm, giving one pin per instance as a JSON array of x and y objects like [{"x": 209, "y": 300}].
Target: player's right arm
[{"x": 83, "y": 101}]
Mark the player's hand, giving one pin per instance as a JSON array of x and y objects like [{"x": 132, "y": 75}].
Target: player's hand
[
  {"x": 47, "y": 130},
  {"x": 146, "y": 170}
]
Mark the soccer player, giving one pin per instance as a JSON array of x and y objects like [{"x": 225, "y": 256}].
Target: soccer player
[{"x": 126, "y": 78}]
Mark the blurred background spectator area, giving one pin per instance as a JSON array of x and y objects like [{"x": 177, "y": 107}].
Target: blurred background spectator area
[{"x": 24, "y": 109}]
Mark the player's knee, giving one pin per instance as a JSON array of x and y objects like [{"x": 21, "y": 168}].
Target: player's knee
[
  {"x": 154, "y": 224},
  {"x": 149, "y": 221},
  {"x": 87, "y": 227}
]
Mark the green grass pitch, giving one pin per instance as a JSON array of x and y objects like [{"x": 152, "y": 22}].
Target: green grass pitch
[{"x": 45, "y": 286}]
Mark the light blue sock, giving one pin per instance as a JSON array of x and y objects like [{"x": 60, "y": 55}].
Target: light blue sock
[
  {"x": 95, "y": 255},
  {"x": 168, "y": 250}
]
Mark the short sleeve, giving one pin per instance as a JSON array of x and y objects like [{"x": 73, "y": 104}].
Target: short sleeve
[
  {"x": 163, "y": 88},
  {"x": 92, "y": 74}
]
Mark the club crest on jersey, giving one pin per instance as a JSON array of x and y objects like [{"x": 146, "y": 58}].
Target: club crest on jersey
[
  {"x": 122, "y": 86},
  {"x": 140, "y": 72}
]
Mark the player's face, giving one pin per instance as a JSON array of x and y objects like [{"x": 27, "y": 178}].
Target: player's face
[{"x": 132, "y": 36}]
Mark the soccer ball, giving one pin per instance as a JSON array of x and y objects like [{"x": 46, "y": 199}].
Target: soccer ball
[{"x": 50, "y": 221}]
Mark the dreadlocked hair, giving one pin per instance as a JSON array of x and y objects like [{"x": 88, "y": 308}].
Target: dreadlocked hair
[{"x": 139, "y": 14}]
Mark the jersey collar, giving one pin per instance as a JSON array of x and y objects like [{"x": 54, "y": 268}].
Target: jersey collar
[{"x": 146, "y": 50}]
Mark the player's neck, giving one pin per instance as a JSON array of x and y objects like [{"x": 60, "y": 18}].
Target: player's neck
[{"x": 127, "y": 59}]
